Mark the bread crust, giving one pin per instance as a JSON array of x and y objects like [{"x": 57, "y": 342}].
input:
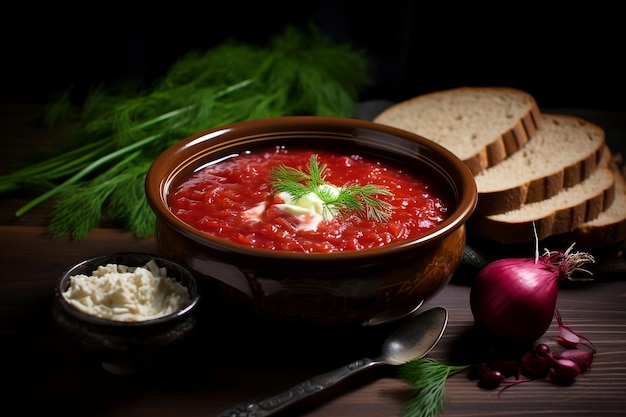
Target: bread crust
[
  {"x": 597, "y": 236},
  {"x": 510, "y": 140},
  {"x": 536, "y": 190},
  {"x": 542, "y": 188},
  {"x": 606, "y": 231},
  {"x": 560, "y": 220}
]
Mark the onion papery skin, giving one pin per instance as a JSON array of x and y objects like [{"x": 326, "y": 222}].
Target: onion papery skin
[{"x": 514, "y": 299}]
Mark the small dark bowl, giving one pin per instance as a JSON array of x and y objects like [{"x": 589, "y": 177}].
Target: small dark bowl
[
  {"x": 365, "y": 287},
  {"x": 133, "y": 346}
]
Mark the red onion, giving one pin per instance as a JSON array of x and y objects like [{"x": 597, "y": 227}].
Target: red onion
[
  {"x": 582, "y": 358},
  {"x": 568, "y": 337},
  {"x": 515, "y": 299}
]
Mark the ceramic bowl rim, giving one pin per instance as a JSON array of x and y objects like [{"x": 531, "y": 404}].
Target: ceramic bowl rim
[{"x": 157, "y": 187}]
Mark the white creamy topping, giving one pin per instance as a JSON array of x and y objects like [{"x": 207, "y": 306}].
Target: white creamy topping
[
  {"x": 308, "y": 209},
  {"x": 122, "y": 293}
]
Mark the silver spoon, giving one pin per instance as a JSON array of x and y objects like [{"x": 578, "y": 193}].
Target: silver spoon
[{"x": 414, "y": 339}]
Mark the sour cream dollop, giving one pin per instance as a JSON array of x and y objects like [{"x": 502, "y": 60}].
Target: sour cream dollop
[{"x": 309, "y": 209}]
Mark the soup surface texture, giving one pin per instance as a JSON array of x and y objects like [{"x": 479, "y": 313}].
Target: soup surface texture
[{"x": 233, "y": 199}]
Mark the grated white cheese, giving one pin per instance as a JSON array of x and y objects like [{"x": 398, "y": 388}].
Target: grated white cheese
[{"x": 123, "y": 293}]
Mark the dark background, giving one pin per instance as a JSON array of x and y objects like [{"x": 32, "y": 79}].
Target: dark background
[{"x": 564, "y": 57}]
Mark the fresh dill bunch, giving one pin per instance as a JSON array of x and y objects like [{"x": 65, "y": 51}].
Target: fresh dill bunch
[
  {"x": 428, "y": 378},
  {"x": 299, "y": 72},
  {"x": 347, "y": 198},
  {"x": 126, "y": 206},
  {"x": 91, "y": 196}
]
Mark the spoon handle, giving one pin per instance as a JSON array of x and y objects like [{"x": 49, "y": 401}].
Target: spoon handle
[{"x": 270, "y": 405}]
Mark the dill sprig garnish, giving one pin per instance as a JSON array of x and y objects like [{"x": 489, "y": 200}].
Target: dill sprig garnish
[
  {"x": 428, "y": 378},
  {"x": 121, "y": 129},
  {"x": 348, "y": 197}
]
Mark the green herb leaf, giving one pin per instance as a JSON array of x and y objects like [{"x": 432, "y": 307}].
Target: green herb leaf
[
  {"x": 428, "y": 377},
  {"x": 349, "y": 197}
]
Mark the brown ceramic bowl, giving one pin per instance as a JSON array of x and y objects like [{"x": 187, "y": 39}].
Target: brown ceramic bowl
[{"x": 364, "y": 287}]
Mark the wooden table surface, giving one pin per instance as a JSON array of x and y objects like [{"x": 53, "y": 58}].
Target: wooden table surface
[{"x": 230, "y": 360}]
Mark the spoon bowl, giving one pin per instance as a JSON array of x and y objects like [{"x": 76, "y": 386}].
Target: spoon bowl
[
  {"x": 412, "y": 340},
  {"x": 415, "y": 338}
]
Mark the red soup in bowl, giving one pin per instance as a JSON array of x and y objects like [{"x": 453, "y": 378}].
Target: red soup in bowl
[
  {"x": 308, "y": 219},
  {"x": 235, "y": 199}
]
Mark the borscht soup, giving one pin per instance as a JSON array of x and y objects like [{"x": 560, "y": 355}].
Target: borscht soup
[{"x": 310, "y": 200}]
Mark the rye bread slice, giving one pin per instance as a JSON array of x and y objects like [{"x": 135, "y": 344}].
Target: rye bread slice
[
  {"x": 609, "y": 228},
  {"x": 559, "y": 214},
  {"x": 561, "y": 154},
  {"x": 480, "y": 125}
]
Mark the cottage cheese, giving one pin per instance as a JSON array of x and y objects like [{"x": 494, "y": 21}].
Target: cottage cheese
[{"x": 123, "y": 293}]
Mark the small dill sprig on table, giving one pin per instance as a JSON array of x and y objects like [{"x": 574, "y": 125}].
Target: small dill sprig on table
[{"x": 428, "y": 378}]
